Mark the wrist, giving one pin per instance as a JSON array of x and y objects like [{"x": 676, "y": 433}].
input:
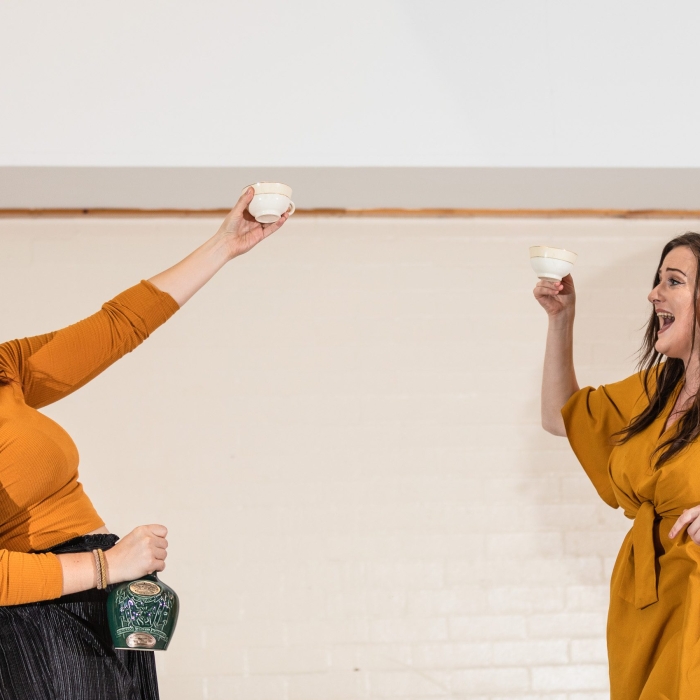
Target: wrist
[
  {"x": 563, "y": 321},
  {"x": 110, "y": 566},
  {"x": 221, "y": 247},
  {"x": 78, "y": 572}
]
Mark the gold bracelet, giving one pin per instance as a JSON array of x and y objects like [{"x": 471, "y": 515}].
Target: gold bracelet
[
  {"x": 98, "y": 566},
  {"x": 103, "y": 567}
]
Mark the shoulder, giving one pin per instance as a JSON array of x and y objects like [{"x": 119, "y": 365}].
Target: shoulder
[
  {"x": 633, "y": 384},
  {"x": 632, "y": 394},
  {"x": 617, "y": 401},
  {"x": 639, "y": 382}
]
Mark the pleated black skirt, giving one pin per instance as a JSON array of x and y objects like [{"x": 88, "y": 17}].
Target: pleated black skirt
[{"x": 61, "y": 649}]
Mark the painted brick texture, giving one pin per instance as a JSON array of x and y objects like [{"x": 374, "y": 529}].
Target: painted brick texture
[{"x": 341, "y": 432}]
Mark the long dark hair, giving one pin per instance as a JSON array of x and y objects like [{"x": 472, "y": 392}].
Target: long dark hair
[{"x": 669, "y": 375}]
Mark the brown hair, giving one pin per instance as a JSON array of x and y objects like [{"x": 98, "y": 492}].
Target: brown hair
[{"x": 667, "y": 374}]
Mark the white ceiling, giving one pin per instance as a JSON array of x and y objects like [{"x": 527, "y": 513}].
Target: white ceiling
[{"x": 372, "y": 83}]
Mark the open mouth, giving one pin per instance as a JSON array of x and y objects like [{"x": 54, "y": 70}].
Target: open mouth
[{"x": 665, "y": 321}]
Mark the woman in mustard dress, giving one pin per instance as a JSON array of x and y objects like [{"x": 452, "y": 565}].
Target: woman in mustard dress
[{"x": 637, "y": 440}]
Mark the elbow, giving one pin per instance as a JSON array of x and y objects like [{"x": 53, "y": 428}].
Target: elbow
[{"x": 554, "y": 426}]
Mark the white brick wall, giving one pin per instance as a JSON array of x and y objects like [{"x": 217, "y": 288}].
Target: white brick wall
[{"x": 342, "y": 433}]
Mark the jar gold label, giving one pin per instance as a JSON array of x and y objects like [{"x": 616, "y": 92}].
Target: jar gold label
[
  {"x": 140, "y": 640},
  {"x": 144, "y": 588}
]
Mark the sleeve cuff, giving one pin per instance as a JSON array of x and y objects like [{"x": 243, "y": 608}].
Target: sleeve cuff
[
  {"x": 53, "y": 576},
  {"x": 165, "y": 299},
  {"x": 568, "y": 409},
  {"x": 149, "y": 304}
]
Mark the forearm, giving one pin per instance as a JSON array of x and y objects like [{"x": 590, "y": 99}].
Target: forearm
[
  {"x": 188, "y": 276},
  {"x": 79, "y": 572},
  {"x": 559, "y": 376}
]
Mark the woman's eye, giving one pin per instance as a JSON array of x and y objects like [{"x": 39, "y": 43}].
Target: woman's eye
[{"x": 673, "y": 282}]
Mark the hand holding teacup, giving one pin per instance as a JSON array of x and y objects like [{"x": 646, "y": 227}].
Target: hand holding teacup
[
  {"x": 242, "y": 229},
  {"x": 555, "y": 290}
]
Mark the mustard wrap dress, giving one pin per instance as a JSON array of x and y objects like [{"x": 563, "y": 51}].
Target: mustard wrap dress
[{"x": 653, "y": 629}]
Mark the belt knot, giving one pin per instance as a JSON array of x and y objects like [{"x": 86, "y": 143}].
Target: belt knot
[{"x": 645, "y": 579}]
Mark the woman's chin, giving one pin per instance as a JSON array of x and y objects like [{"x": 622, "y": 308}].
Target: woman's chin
[
  {"x": 663, "y": 348},
  {"x": 667, "y": 349}
]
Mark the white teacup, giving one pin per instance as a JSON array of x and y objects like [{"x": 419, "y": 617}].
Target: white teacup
[
  {"x": 271, "y": 200},
  {"x": 551, "y": 263}
]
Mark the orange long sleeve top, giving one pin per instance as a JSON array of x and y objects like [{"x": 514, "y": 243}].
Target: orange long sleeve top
[{"x": 42, "y": 503}]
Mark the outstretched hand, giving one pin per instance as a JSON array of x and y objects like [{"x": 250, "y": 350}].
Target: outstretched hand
[{"x": 240, "y": 231}]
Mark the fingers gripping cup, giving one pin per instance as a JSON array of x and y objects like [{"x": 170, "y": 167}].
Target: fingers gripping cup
[
  {"x": 551, "y": 263},
  {"x": 271, "y": 200}
]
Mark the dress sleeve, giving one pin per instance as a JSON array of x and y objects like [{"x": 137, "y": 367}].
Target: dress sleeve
[
  {"x": 54, "y": 365},
  {"x": 591, "y": 417},
  {"x": 27, "y": 578}
]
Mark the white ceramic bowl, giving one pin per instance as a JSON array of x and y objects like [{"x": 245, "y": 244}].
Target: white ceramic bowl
[
  {"x": 271, "y": 200},
  {"x": 551, "y": 263}
]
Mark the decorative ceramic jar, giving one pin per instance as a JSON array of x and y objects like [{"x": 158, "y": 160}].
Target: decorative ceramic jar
[{"x": 142, "y": 614}]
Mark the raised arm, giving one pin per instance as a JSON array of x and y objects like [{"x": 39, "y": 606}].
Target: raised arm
[
  {"x": 238, "y": 233},
  {"x": 51, "y": 366},
  {"x": 558, "y": 377}
]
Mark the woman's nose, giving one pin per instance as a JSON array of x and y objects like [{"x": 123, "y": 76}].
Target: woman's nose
[{"x": 654, "y": 294}]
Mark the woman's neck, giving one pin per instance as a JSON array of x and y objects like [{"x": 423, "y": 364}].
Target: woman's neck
[{"x": 692, "y": 377}]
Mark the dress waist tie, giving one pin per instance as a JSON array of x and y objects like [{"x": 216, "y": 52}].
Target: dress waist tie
[
  {"x": 637, "y": 579},
  {"x": 645, "y": 583}
]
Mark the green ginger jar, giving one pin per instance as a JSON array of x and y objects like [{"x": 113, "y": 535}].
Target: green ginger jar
[{"x": 142, "y": 614}]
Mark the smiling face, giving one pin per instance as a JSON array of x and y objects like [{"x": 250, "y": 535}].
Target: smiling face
[{"x": 673, "y": 299}]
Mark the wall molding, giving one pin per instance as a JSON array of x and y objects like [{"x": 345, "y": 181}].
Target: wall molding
[{"x": 369, "y": 213}]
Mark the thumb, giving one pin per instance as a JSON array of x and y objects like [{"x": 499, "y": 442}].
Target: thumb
[
  {"x": 158, "y": 530},
  {"x": 243, "y": 201}
]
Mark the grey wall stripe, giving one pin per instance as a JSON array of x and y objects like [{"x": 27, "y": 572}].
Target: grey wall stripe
[{"x": 354, "y": 188}]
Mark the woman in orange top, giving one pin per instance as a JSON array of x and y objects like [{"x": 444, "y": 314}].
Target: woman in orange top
[
  {"x": 54, "y": 639},
  {"x": 637, "y": 440}
]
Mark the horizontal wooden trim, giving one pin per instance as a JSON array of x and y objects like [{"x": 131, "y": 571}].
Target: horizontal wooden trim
[{"x": 390, "y": 213}]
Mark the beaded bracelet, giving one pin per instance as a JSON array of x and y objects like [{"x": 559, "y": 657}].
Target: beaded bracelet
[
  {"x": 103, "y": 567},
  {"x": 98, "y": 566}
]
